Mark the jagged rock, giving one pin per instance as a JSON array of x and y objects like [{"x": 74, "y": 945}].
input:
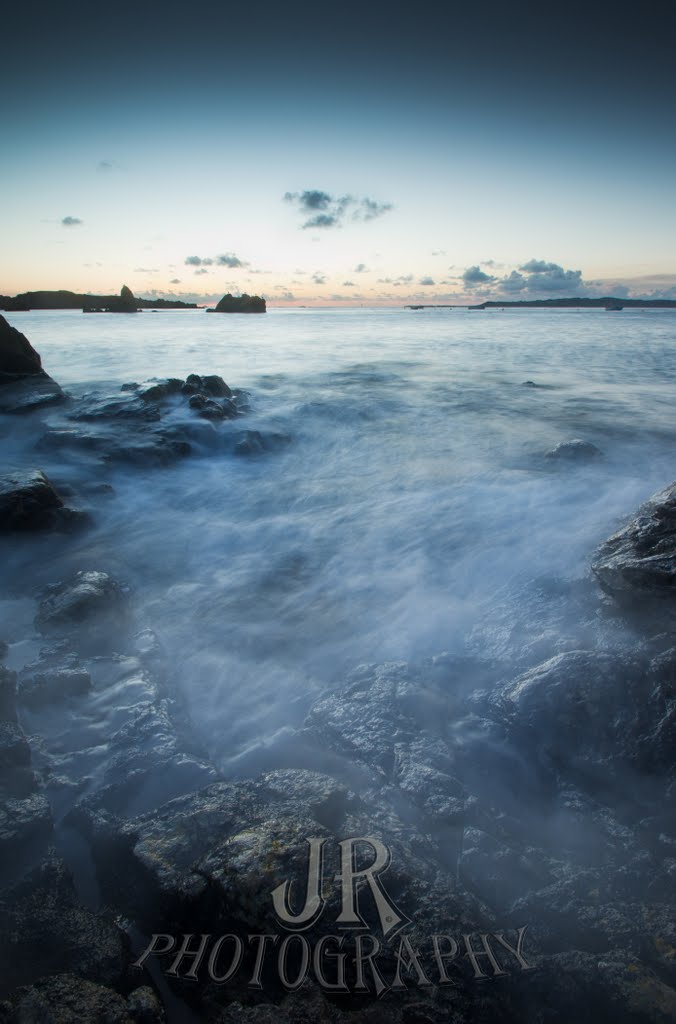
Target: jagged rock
[
  {"x": 574, "y": 451},
  {"x": 29, "y": 501},
  {"x": 24, "y": 385},
  {"x": 7, "y": 695},
  {"x": 24, "y": 821},
  {"x": 91, "y": 601},
  {"x": 639, "y": 561}
]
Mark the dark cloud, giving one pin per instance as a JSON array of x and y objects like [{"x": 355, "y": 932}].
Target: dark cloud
[
  {"x": 319, "y": 278},
  {"x": 349, "y": 284},
  {"x": 474, "y": 275},
  {"x": 515, "y": 282},
  {"x": 198, "y": 261},
  {"x": 71, "y": 222},
  {"x": 229, "y": 259},
  {"x": 539, "y": 267},
  {"x": 201, "y": 271},
  {"x": 322, "y": 220},
  {"x": 361, "y": 268},
  {"x": 175, "y": 280},
  {"x": 327, "y": 211},
  {"x": 426, "y": 281}
]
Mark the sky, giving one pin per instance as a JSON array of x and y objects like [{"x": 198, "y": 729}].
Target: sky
[{"x": 353, "y": 154}]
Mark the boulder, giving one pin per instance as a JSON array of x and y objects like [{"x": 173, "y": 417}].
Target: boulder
[
  {"x": 29, "y": 501},
  {"x": 639, "y": 561},
  {"x": 17, "y": 355}
]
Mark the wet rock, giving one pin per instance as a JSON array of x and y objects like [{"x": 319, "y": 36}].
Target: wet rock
[
  {"x": 250, "y": 442},
  {"x": 69, "y": 999},
  {"x": 7, "y": 695},
  {"x": 45, "y": 930},
  {"x": 576, "y": 450},
  {"x": 4, "y": 649},
  {"x": 581, "y": 712},
  {"x": 160, "y": 390},
  {"x": 211, "y": 410},
  {"x": 639, "y": 561},
  {"x": 89, "y": 601},
  {"x": 55, "y": 685},
  {"x": 28, "y": 501},
  {"x": 24, "y": 821},
  {"x": 24, "y": 385}
]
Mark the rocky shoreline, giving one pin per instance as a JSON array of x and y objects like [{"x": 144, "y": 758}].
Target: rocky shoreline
[{"x": 528, "y": 813}]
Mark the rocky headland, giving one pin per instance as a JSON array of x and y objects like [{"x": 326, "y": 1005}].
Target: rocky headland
[{"x": 527, "y": 807}]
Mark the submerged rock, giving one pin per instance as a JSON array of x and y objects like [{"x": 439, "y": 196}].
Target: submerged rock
[
  {"x": 87, "y": 600},
  {"x": 639, "y": 561},
  {"x": 51, "y": 686},
  {"x": 576, "y": 450}
]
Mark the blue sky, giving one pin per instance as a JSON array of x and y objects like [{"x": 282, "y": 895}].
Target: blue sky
[{"x": 353, "y": 154}]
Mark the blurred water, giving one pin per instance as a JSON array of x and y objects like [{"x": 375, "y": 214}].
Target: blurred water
[{"x": 412, "y": 512}]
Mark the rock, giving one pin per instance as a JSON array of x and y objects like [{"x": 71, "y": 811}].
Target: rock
[
  {"x": 574, "y": 451},
  {"x": 7, "y": 695},
  {"x": 24, "y": 822},
  {"x": 29, "y": 501},
  {"x": 90, "y": 601},
  {"x": 51, "y": 686},
  {"x": 4, "y": 649},
  {"x": 17, "y": 355},
  {"x": 162, "y": 389},
  {"x": 639, "y": 561},
  {"x": 69, "y": 999},
  {"x": 24, "y": 385},
  {"x": 45, "y": 930},
  {"x": 240, "y": 304}
]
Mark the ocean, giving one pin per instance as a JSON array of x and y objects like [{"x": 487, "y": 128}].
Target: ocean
[{"x": 408, "y": 511}]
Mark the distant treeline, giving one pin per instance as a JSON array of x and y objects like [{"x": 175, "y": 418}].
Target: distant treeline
[
  {"x": 72, "y": 300},
  {"x": 609, "y": 302}
]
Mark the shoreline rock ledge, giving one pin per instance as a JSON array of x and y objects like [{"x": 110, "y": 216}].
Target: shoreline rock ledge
[
  {"x": 24, "y": 385},
  {"x": 639, "y": 561}
]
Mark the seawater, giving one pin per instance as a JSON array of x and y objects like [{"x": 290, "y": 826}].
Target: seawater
[{"x": 411, "y": 513}]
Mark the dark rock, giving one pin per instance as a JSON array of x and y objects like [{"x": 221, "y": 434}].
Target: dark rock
[
  {"x": 17, "y": 355},
  {"x": 45, "y": 930},
  {"x": 28, "y": 501},
  {"x": 24, "y": 822},
  {"x": 87, "y": 600},
  {"x": 250, "y": 442},
  {"x": 69, "y": 999},
  {"x": 639, "y": 561},
  {"x": 574, "y": 451},
  {"x": 47, "y": 687},
  {"x": 240, "y": 304},
  {"x": 7, "y": 695},
  {"x": 215, "y": 386},
  {"x": 155, "y": 392},
  {"x": 24, "y": 385}
]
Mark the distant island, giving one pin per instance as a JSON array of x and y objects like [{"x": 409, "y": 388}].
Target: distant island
[
  {"x": 609, "y": 302},
  {"x": 73, "y": 300},
  {"x": 240, "y": 304}
]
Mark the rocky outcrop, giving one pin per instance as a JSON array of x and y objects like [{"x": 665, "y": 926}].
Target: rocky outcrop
[
  {"x": 240, "y": 304},
  {"x": 90, "y": 600},
  {"x": 125, "y": 303},
  {"x": 639, "y": 561},
  {"x": 70, "y": 999},
  {"x": 24, "y": 385},
  {"x": 29, "y": 501}
]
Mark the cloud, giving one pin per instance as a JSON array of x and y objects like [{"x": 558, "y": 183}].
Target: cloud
[
  {"x": 550, "y": 277},
  {"x": 323, "y": 210},
  {"x": 202, "y": 271},
  {"x": 146, "y": 270},
  {"x": 515, "y": 282},
  {"x": 474, "y": 275},
  {"x": 426, "y": 281},
  {"x": 319, "y": 278},
  {"x": 71, "y": 222},
  {"x": 230, "y": 260},
  {"x": 361, "y": 268},
  {"x": 349, "y": 284},
  {"x": 175, "y": 280},
  {"x": 198, "y": 261},
  {"x": 438, "y": 252},
  {"x": 539, "y": 267}
]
